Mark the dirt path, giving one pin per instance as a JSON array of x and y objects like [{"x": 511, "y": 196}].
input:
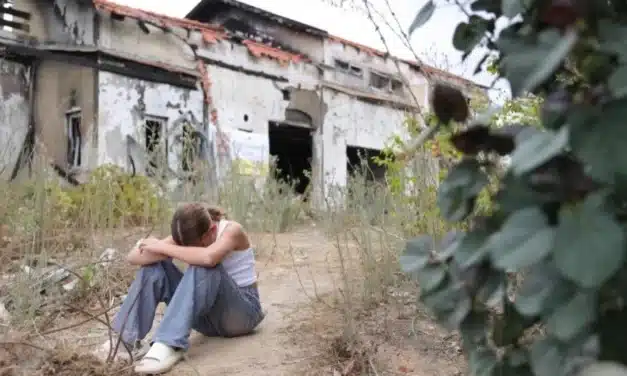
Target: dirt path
[
  {"x": 297, "y": 271},
  {"x": 283, "y": 288}
]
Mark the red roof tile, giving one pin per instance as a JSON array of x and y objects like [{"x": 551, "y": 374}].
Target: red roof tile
[
  {"x": 210, "y": 33},
  {"x": 360, "y": 47},
  {"x": 282, "y": 56}
]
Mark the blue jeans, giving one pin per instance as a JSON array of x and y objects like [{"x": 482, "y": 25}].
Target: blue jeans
[{"x": 204, "y": 299}]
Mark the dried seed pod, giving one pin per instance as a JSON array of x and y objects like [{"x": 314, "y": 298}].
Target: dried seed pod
[{"x": 449, "y": 103}]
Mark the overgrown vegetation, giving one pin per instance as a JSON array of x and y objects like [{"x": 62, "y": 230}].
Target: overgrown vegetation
[{"x": 557, "y": 217}]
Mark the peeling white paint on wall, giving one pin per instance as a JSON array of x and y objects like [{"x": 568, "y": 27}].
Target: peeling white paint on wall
[
  {"x": 245, "y": 102},
  {"x": 124, "y": 103},
  {"x": 238, "y": 55},
  {"x": 418, "y": 83},
  {"x": 125, "y": 36},
  {"x": 353, "y": 122},
  {"x": 13, "y": 130},
  {"x": 14, "y": 112}
]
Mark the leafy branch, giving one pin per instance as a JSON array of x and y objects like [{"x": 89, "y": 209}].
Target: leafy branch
[{"x": 559, "y": 209}]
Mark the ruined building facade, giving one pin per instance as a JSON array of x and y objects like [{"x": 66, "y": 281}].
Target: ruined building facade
[{"x": 94, "y": 83}]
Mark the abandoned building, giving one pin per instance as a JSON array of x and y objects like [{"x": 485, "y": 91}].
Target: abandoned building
[{"x": 93, "y": 82}]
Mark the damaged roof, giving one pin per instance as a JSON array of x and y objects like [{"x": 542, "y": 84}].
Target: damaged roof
[
  {"x": 206, "y": 9},
  {"x": 210, "y": 33},
  {"x": 439, "y": 73},
  {"x": 152, "y": 17},
  {"x": 213, "y": 33}
]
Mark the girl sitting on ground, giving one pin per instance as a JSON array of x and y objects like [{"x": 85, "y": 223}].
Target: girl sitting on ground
[{"x": 216, "y": 295}]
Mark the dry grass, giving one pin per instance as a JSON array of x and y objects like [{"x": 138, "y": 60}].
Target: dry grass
[{"x": 47, "y": 227}]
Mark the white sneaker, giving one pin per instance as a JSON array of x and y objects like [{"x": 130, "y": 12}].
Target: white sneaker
[
  {"x": 138, "y": 350},
  {"x": 161, "y": 358}
]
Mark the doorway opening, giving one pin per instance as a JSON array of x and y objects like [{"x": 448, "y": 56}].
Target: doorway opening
[
  {"x": 359, "y": 161},
  {"x": 292, "y": 148}
]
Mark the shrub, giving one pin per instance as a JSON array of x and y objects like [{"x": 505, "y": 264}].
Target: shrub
[{"x": 558, "y": 214}]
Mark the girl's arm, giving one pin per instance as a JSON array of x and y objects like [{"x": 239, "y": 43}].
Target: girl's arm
[
  {"x": 140, "y": 257},
  {"x": 233, "y": 239}
]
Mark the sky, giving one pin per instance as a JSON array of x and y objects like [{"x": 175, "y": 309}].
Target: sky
[{"x": 432, "y": 42}]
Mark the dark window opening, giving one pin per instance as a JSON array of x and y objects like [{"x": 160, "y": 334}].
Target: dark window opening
[
  {"x": 154, "y": 138},
  {"x": 342, "y": 65},
  {"x": 397, "y": 86},
  {"x": 292, "y": 147},
  {"x": 361, "y": 161},
  {"x": 366, "y": 178},
  {"x": 74, "y": 138},
  {"x": 347, "y": 67},
  {"x": 378, "y": 81}
]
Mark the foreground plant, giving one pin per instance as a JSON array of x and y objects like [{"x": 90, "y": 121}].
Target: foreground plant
[{"x": 557, "y": 220}]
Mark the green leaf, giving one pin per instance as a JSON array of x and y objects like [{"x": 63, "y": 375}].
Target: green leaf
[
  {"x": 458, "y": 190},
  {"x": 617, "y": 82},
  {"x": 468, "y": 35},
  {"x": 524, "y": 239},
  {"x": 547, "y": 357},
  {"x": 482, "y": 361},
  {"x": 604, "y": 368},
  {"x": 449, "y": 244},
  {"x": 423, "y": 16},
  {"x": 417, "y": 254},
  {"x": 470, "y": 250},
  {"x": 572, "y": 318},
  {"x": 431, "y": 277},
  {"x": 538, "y": 149},
  {"x": 450, "y": 305},
  {"x": 542, "y": 289},
  {"x": 492, "y": 292},
  {"x": 589, "y": 244},
  {"x": 517, "y": 195},
  {"x": 597, "y": 139},
  {"x": 490, "y": 6},
  {"x": 529, "y": 64},
  {"x": 512, "y": 8}
]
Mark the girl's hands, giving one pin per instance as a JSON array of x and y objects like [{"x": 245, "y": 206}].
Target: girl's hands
[{"x": 151, "y": 244}]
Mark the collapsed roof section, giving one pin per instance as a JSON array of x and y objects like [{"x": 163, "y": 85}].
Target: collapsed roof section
[{"x": 210, "y": 33}]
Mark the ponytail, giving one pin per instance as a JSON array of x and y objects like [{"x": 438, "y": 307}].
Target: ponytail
[{"x": 216, "y": 213}]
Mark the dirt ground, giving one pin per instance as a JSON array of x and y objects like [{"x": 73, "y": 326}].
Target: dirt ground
[{"x": 298, "y": 282}]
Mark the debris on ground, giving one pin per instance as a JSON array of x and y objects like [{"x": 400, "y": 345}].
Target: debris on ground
[
  {"x": 18, "y": 359},
  {"x": 54, "y": 278}
]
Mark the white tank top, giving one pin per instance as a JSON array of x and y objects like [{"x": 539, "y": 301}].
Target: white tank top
[{"x": 240, "y": 265}]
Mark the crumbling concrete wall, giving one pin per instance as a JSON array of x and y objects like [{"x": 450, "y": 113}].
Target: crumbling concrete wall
[
  {"x": 354, "y": 122},
  {"x": 254, "y": 91},
  {"x": 369, "y": 60},
  {"x": 148, "y": 42},
  {"x": 61, "y": 89},
  {"x": 14, "y": 114},
  {"x": 60, "y": 21},
  {"x": 125, "y": 102}
]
